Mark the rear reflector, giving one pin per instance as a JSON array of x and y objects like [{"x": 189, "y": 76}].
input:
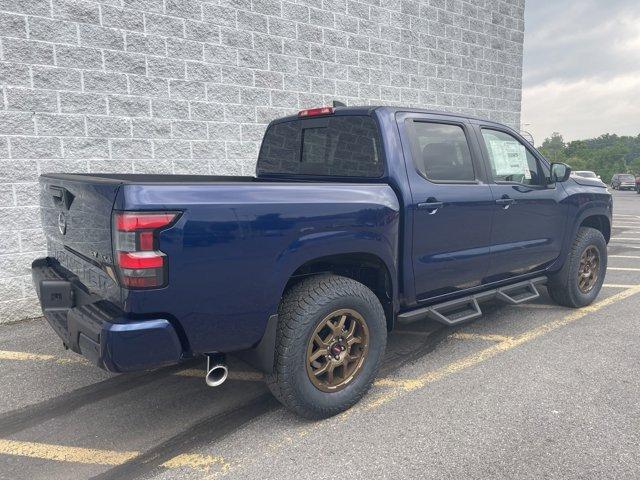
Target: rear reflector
[
  {"x": 316, "y": 112},
  {"x": 131, "y": 281},
  {"x": 140, "y": 263}
]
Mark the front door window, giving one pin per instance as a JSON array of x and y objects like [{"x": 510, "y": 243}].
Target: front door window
[{"x": 510, "y": 161}]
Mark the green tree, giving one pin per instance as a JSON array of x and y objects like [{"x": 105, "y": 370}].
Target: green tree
[
  {"x": 606, "y": 155},
  {"x": 553, "y": 148}
]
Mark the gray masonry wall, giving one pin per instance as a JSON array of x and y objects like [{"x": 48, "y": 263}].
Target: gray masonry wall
[{"x": 187, "y": 86}]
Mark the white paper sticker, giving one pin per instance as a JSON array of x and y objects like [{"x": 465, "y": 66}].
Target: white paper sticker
[{"x": 509, "y": 159}]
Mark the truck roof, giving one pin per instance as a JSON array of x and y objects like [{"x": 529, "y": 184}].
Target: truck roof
[{"x": 369, "y": 109}]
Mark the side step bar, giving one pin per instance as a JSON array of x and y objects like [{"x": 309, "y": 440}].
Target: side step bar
[{"x": 465, "y": 309}]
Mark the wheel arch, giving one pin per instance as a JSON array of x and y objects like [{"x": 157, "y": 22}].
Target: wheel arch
[
  {"x": 365, "y": 267},
  {"x": 599, "y": 222}
]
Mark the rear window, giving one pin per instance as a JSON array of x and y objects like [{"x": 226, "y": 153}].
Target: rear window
[
  {"x": 342, "y": 146},
  {"x": 627, "y": 177},
  {"x": 441, "y": 152}
]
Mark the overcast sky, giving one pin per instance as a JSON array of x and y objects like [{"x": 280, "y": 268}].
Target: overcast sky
[{"x": 581, "y": 68}]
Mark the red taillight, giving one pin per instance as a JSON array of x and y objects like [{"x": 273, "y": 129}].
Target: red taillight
[
  {"x": 316, "y": 112},
  {"x": 140, "y": 263},
  {"x": 129, "y": 222},
  {"x": 140, "y": 260}
]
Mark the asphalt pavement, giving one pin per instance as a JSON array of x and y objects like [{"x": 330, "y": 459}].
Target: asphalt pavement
[{"x": 527, "y": 391}]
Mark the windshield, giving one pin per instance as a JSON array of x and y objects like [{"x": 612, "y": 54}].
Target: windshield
[{"x": 627, "y": 177}]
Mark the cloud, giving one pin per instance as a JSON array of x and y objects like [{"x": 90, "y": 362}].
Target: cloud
[
  {"x": 583, "y": 108},
  {"x": 582, "y": 67}
]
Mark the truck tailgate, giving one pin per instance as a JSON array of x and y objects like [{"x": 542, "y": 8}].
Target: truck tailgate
[{"x": 76, "y": 218}]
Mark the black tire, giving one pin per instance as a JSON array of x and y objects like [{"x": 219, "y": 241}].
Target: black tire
[
  {"x": 563, "y": 286},
  {"x": 302, "y": 309}
]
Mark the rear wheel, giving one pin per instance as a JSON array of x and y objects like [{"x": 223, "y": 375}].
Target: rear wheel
[
  {"x": 579, "y": 281},
  {"x": 330, "y": 342}
]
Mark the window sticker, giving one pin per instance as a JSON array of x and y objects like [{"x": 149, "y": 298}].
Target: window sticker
[{"x": 509, "y": 158}]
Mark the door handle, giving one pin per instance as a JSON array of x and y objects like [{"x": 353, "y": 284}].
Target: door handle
[
  {"x": 505, "y": 202},
  {"x": 430, "y": 206}
]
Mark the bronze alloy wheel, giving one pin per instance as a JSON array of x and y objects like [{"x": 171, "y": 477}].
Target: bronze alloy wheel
[
  {"x": 589, "y": 269},
  {"x": 337, "y": 350}
]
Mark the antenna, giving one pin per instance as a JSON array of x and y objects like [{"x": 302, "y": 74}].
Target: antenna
[{"x": 338, "y": 103}]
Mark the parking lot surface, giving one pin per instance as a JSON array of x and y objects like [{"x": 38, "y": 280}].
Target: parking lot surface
[{"x": 526, "y": 391}]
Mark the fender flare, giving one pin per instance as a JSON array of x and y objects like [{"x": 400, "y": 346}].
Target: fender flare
[
  {"x": 262, "y": 355},
  {"x": 588, "y": 210},
  {"x": 319, "y": 245}
]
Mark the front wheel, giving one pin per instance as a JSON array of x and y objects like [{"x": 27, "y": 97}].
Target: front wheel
[
  {"x": 579, "y": 281},
  {"x": 331, "y": 338}
]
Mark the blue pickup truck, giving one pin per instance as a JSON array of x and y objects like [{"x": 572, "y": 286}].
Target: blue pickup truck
[{"x": 358, "y": 218}]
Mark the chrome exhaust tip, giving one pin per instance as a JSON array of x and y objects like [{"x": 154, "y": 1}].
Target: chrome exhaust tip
[{"x": 217, "y": 370}]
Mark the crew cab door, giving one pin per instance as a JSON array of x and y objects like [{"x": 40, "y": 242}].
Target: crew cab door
[
  {"x": 528, "y": 218},
  {"x": 451, "y": 205}
]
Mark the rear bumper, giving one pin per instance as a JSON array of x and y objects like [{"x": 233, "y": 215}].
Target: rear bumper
[{"x": 97, "y": 329}]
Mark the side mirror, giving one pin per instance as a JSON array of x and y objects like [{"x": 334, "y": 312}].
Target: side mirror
[{"x": 560, "y": 172}]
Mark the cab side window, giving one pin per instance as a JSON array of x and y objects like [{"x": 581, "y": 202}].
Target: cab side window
[
  {"x": 510, "y": 160},
  {"x": 441, "y": 152}
]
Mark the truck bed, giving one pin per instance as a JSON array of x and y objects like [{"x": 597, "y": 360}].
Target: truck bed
[{"x": 234, "y": 246}]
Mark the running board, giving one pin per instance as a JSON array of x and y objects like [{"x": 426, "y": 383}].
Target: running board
[{"x": 465, "y": 309}]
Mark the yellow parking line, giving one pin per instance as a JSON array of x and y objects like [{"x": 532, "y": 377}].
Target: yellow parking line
[
  {"x": 63, "y": 453},
  {"x": 625, "y": 269},
  {"x": 490, "y": 352},
  {"x": 625, "y": 256},
  {"x": 616, "y": 285},
  {"x": 480, "y": 336},
  {"x": 190, "y": 372},
  {"x": 399, "y": 387},
  {"x": 196, "y": 461},
  {"x": 627, "y": 239},
  {"x": 95, "y": 456},
  {"x": 394, "y": 383},
  {"x": 12, "y": 355}
]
